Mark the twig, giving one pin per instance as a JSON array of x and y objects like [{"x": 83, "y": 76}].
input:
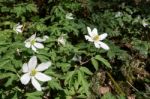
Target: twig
[
  {"x": 81, "y": 63},
  {"x": 133, "y": 86}
]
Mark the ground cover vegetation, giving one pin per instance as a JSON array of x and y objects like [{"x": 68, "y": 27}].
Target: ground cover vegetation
[{"x": 74, "y": 49}]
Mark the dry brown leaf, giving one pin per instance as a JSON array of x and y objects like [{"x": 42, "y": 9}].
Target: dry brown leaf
[
  {"x": 103, "y": 90},
  {"x": 131, "y": 97}
]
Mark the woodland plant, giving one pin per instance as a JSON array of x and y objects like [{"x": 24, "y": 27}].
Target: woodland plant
[
  {"x": 55, "y": 49},
  {"x": 18, "y": 28},
  {"x": 33, "y": 73}
]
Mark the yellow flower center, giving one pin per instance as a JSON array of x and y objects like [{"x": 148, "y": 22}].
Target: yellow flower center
[
  {"x": 96, "y": 38},
  {"x": 33, "y": 72},
  {"x": 32, "y": 42}
]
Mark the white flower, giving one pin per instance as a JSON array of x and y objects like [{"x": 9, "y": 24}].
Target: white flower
[
  {"x": 69, "y": 16},
  {"x": 18, "y": 51},
  {"x": 144, "y": 23},
  {"x": 97, "y": 39},
  {"x": 77, "y": 58},
  {"x": 33, "y": 73},
  {"x": 42, "y": 39},
  {"x": 61, "y": 40},
  {"x": 18, "y": 28},
  {"x": 118, "y": 14},
  {"x": 34, "y": 43}
]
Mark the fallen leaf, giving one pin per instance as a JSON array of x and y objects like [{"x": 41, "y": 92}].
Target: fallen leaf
[{"x": 103, "y": 90}]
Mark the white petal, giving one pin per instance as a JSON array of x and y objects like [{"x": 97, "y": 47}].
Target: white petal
[
  {"x": 19, "y": 26},
  {"x": 25, "y": 78},
  {"x": 77, "y": 58},
  {"x": 33, "y": 48},
  {"x": 88, "y": 38},
  {"x": 32, "y": 63},
  {"x": 19, "y": 30},
  {"x": 103, "y": 36},
  {"x": 45, "y": 37},
  {"x": 61, "y": 40},
  {"x": 89, "y": 31},
  {"x": 69, "y": 16},
  {"x": 36, "y": 84},
  {"x": 40, "y": 39},
  {"x": 104, "y": 46},
  {"x": 25, "y": 68},
  {"x": 97, "y": 45},
  {"x": 32, "y": 37},
  {"x": 94, "y": 32},
  {"x": 42, "y": 77},
  {"x": 27, "y": 44},
  {"x": 43, "y": 66},
  {"x": 39, "y": 45}
]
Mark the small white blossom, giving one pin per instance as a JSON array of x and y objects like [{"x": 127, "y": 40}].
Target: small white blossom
[
  {"x": 34, "y": 42},
  {"x": 118, "y": 14},
  {"x": 77, "y": 58},
  {"x": 144, "y": 23},
  {"x": 18, "y": 28},
  {"x": 33, "y": 72},
  {"x": 18, "y": 51},
  {"x": 69, "y": 16},
  {"x": 61, "y": 40},
  {"x": 42, "y": 39},
  {"x": 45, "y": 37},
  {"x": 97, "y": 39}
]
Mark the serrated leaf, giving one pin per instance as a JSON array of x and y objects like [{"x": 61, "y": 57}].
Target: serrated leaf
[
  {"x": 54, "y": 84},
  {"x": 82, "y": 96},
  {"x": 94, "y": 63},
  {"x": 86, "y": 70},
  {"x": 31, "y": 8},
  {"x": 6, "y": 65},
  {"x": 104, "y": 61},
  {"x": 108, "y": 96},
  {"x": 4, "y": 75},
  {"x": 13, "y": 77},
  {"x": 79, "y": 76},
  {"x": 69, "y": 76},
  {"x": 34, "y": 95},
  {"x": 76, "y": 85}
]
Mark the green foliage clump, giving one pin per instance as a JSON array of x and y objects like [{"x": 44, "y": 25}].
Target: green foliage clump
[{"x": 79, "y": 70}]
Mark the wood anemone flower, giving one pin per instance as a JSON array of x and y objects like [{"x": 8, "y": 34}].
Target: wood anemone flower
[{"x": 97, "y": 39}]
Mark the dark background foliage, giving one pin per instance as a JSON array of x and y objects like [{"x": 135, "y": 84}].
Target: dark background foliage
[{"x": 124, "y": 69}]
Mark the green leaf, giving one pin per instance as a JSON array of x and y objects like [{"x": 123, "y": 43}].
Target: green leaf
[
  {"x": 6, "y": 65},
  {"x": 69, "y": 77},
  {"x": 76, "y": 85},
  {"x": 64, "y": 66},
  {"x": 104, "y": 61},
  {"x": 4, "y": 75},
  {"x": 34, "y": 95},
  {"x": 79, "y": 76},
  {"x": 31, "y": 8},
  {"x": 94, "y": 63},
  {"x": 55, "y": 84},
  {"x": 13, "y": 77},
  {"x": 121, "y": 97},
  {"x": 108, "y": 96},
  {"x": 86, "y": 70},
  {"x": 82, "y": 96},
  {"x": 15, "y": 96}
]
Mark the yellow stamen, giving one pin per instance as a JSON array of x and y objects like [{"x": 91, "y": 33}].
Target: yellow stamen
[
  {"x": 32, "y": 42},
  {"x": 33, "y": 72},
  {"x": 96, "y": 38}
]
